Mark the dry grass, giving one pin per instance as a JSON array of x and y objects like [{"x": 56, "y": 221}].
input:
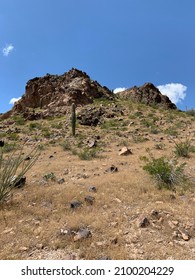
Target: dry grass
[{"x": 33, "y": 220}]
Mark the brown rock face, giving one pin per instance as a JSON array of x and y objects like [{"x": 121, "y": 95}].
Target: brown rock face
[
  {"x": 149, "y": 95},
  {"x": 54, "y": 94}
]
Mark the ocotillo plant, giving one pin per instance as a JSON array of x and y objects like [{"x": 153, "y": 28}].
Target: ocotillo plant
[{"x": 73, "y": 119}]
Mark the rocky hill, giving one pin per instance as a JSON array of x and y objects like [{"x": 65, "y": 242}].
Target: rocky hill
[
  {"x": 52, "y": 95},
  {"x": 147, "y": 94}
]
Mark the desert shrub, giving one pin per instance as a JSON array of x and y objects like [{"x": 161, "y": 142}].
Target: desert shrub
[
  {"x": 13, "y": 136},
  {"x": 34, "y": 125},
  {"x": 168, "y": 173},
  {"x": 19, "y": 120},
  {"x": 183, "y": 148},
  {"x": 171, "y": 131},
  {"x": 139, "y": 138},
  {"x": 49, "y": 176},
  {"x": 12, "y": 168},
  {"x": 66, "y": 146},
  {"x": 159, "y": 146},
  {"x": 9, "y": 147},
  {"x": 87, "y": 153},
  {"x": 57, "y": 125}
]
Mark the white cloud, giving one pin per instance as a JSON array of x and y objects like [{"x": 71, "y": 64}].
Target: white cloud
[
  {"x": 116, "y": 90},
  {"x": 13, "y": 100},
  {"x": 176, "y": 92},
  {"x": 8, "y": 48}
]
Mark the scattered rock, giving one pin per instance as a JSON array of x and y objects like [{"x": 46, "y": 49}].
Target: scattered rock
[
  {"x": 171, "y": 224},
  {"x": 92, "y": 143},
  {"x": 6, "y": 231},
  {"x": 89, "y": 199},
  {"x": 114, "y": 240},
  {"x": 112, "y": 169},
  {"x": 19, "y": 183},
  {"x": 82, "y": 234},
  {"x": 125, "y": 152},
  {"x": 27, "y": 158},
  {"x": 23, "y": 249},
  {"x": 75, "y": 204},
  {"x": 155, "y": 214},
  {"x": 184, "y": 234},
  {"x": 40, "y": 246},
  {"x": 61, "y": 181},
  {"x": 117, "y": 200},
  {"x": 2, "y": 143},
  {"x": 92, "y": 189},
  {"x": 143, "y": 222}
]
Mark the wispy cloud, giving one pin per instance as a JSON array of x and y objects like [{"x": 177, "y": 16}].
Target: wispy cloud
[
  {"x": 8, "y": 48},
  {"x": 119, "y": 89},
  {"x": 13, "y": 100},
  {"x": 175, "y": 91}
]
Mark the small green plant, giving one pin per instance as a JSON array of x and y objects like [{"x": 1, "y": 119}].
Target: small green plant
[
  {"x": 159, "y": 146},
  {"x": 171, "y": 131},
  {"x": 66, "y": 146},
  {"x": 19, "y": 120},
  {"x": 167, "y": 172},
  {"x": 13, "y": 168},
  {"x": 13, "y": 136},
  {"x": 9, "y": 147},
  {"x": 183, "y": 148},
  {"x": 87, "y": 153},
  {"x": 34, "y": 125},
  {"x": 73, "y": 119},
  {"x": 57, "y": 125},
  {"x": 49, "y": 176},
  {"x": 139, "y": 138}
]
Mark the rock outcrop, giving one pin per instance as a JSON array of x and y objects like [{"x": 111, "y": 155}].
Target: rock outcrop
[
  {"x": 149, "y": 95},
  {"x": 53, "y": 94}
]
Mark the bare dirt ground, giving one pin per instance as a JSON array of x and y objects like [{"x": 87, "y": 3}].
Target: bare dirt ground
[{"x": 58, "y": 215}]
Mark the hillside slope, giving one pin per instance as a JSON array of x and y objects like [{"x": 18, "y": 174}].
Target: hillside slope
[{"x": 83, "y": 200}]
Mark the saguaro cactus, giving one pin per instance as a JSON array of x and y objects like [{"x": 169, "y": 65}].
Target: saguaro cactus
[{"x": 73, "y": 119}]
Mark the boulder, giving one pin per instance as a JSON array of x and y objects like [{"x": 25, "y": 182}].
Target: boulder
[{"x": 125, "y": 152}]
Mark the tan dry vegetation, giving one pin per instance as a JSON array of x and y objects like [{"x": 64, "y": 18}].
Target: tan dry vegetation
[{"x": 38, "y": 223}]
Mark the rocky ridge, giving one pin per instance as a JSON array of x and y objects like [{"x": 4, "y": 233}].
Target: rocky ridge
[
  {"x": 52, "y": 95},
  {"x": 149, "y": 95}
]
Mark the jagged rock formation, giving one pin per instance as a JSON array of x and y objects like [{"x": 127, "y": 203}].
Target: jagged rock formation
[
  {"x": 149, "y": 95},
  {"x": 54, "y": 94}
]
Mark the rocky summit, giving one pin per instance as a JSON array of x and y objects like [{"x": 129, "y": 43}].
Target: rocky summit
[
  {"x": 149, "y": 95},
  {"x": 52, "y": 95}
]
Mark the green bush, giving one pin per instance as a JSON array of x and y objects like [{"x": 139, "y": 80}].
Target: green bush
[
  {"x": 49, "y": 176},
  {"x": 34, "y": 125},
  {"x": 183, "y": 148},
  {"x": 66, "y": 146},
  {"x": 87, "y": 153},
  {"x": 167, "y": 172},
  {"x": 13, "y": 168}
]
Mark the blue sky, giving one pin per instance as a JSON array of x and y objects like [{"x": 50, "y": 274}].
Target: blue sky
[{"x": 119, "y": 43}]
